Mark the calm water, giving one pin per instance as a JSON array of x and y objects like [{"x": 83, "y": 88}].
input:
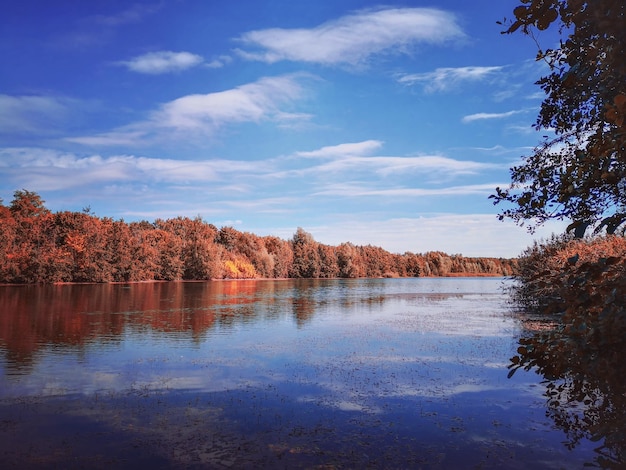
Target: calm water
[{"x": 375, "y": 373}]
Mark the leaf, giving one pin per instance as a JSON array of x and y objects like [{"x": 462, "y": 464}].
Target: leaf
[
  {"x": 521, "y": 12},
  {"x": 546, "y": 19}
]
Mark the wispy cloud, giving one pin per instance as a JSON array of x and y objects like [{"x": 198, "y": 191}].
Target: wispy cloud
[
  {"x": 354, "y": 38},
  {"x": 356, "y": 190},
  {"x": 25, "y": 114},
  {"x": 268, "y": 98},
  {"x": 343, "y": 150},
  {"x": 482, "y": 116},
  {"x": 383, "y": 166},
  {"x": 95, "y": 30},
  {"x": 333, "y": 170},
  {"x": 162, "y": 62},
  {"x": 47, "y": 169},
  {"x": 123, "y": 137},
  {"x": 219, "y": 62},
  {"x": 250, "y": 102},
  {"x": 132, "y": 14},
  {"x": 443, "y": 79}
]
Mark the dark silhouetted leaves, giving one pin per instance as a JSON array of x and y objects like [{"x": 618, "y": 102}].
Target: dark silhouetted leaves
[{"x": 580, "y": 173}]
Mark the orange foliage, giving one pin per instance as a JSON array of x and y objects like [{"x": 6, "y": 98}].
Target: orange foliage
[
  {"x": 37, "y": 246},
  {"x": 239, "y": 268},
  {"x": 542, "y": 266},
  {"x": 592, "y": 250}
]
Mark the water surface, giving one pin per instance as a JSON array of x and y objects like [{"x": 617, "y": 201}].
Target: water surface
[{"x": 378, "y": 373}]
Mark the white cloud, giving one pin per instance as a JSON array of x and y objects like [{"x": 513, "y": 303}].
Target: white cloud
[
  {"x": 389, "y": 165},
  {"x": 250, "y": 102},
  {"x": 350, "y": 161},
  {"x": 355, "y": 190},
  {"x": 120, "y": 137},
  {"x": 483, "y": 116},
  {"x": 53, "y": 170},
  {"x": 203, "y": 114},
  {"x": 162, "y": 62},
  {"x": 354, "y": 38},
  {"x": 436, "y": 163},
  {"x": 342, "y": 150},
  {"x": 219, "y": 62},
  {"x": 528, "y": 129},
  {"x": 539, "y": 95},
  {"x": 443, "y": 79},
  {"x": 30, "y": 113}
]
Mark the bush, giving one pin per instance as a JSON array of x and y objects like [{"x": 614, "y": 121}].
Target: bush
[{"x": 544, "y": 270}]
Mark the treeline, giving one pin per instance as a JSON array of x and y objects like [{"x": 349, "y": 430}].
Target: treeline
[{"x": 38, "y": 246}]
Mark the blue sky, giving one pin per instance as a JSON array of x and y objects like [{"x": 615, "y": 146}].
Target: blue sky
[{"x": 384, "y": 124}]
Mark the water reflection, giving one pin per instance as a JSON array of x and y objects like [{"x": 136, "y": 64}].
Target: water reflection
[
  {"x": 388, "y": 373},
  {"x": 32, "y": 317},
  {"x": 585, "y": 385}
]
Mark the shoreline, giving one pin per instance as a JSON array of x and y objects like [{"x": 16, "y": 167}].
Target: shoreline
[{"x": 154, "y": 281}]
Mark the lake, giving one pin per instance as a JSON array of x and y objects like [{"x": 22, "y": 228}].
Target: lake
[{"x": 365, "y": 373}]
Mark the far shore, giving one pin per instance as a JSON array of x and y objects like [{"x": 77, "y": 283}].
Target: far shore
[{"x": 490, "y": 275}]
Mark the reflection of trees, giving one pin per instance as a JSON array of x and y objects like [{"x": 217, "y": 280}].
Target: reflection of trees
[
  {"x": 307, "y": 297},
  {"x": 582, "y": 357},
  {"x": 34, "y": 317}
]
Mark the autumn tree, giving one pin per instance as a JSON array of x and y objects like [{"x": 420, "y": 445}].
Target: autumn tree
[
  {"x": 27, "y": 205},
  {"x": 281, "y": 254},
  {"x": 202, "y": 257},
  {"x": 7, "y": 243},
  {"x": 579, "y": 174},
  {"x": 119, "y": 247},
  {"x": 328, "y": 261},
  {"x": 378, "y": 262},
  {"x": 252, "y": 248},
  {"x": 306, "y": 260},
  {"x": 200, "y": 254},
  {"x": 227, "y": 237},
  {"x": 413, "y": 264},
  {"x": 166, "y": 251},
  {"x": 32, "y": 247},
  {"x": 349, "y": 261},
  {"x": 84, "y": 237}
]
